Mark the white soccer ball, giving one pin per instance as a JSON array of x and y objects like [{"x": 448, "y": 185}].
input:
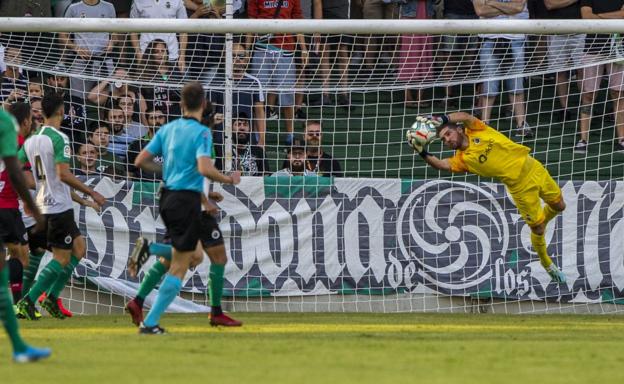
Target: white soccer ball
[{"x": 421, "y": 133}]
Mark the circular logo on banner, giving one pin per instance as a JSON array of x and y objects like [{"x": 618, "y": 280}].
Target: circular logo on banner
[
  {"x": 68, "y": 239},
  {"x": 451, "y": 230},
  {"x": 215, "y": 234}
]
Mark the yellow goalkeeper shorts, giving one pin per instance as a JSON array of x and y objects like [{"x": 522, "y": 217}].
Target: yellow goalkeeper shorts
[{"x": 535, "y": 186}]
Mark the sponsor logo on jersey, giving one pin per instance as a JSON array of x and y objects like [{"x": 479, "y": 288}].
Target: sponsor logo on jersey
[
  {"x": 67, "y": 151},
  {"x": 484, "y": 156},
  {"x": 476, "y": 140}
]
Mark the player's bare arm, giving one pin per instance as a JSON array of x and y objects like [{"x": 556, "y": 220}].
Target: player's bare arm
[
  {"x": 145, "y": 161},
  {"x": 68, "y": 178}
]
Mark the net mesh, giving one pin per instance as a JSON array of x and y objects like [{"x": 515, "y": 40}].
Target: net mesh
[{"x": 374, "y": 228}]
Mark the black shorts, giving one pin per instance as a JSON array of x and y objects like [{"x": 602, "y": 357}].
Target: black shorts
[
  {"x": 181, "y": 213},
  {"x": 210, "y": 234},
  {"x": 12, "y": 228},
  {"x": 61, "y": 229},
  {"x": 37, "y": 240}
]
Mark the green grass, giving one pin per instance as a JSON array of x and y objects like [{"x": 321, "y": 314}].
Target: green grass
[{"x": 328, "y": 348}]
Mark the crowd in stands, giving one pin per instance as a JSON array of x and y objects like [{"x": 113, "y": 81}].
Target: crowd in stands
[{"x": 124, "y": 93}]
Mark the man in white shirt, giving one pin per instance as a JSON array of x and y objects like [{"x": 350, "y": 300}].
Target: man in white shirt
[{"x": 163, "y": 9}]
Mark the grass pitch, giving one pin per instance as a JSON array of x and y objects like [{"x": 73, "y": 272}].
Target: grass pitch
[{"x": 327, "y": 348}]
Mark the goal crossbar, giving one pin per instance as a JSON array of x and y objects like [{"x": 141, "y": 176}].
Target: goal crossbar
[{"x": 36, "y": 24}]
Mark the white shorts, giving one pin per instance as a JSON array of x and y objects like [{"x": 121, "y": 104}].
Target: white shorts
[{"x": 565, "y": 51}]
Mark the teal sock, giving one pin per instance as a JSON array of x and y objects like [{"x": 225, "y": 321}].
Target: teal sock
[
  {"x": 62, "y": 279},
  {"x": 31, "y": 271},
  {"x": 168, "y": 291},
  {"x": 160, "y": 249},
  {"x": 215, "y": 286},
  {"x": 7, "y": 316},
  {"x": 47, "y": 277},
  {"x": 151, "y": 279}
]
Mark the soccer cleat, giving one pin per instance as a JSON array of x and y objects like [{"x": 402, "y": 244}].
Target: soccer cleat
[
  {"x": 26, "y": 309},
  {"x": 556, "y": 274},
  {"x": 64, "y": 310},
  {"x": 139, "y": 255},
  {"x": 224, "y": 320},
  {"x": 52, "y": 308},
  {"x": 31, "y": 354},
  {"x": 135, "y": 311},
  {"x": 155, "y": 330}
]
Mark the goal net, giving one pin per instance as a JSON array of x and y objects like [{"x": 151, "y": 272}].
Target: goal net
[{"x": 335, "y": 212}]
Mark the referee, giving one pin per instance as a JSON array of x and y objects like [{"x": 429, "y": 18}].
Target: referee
[{"x": 186, "y": 147}]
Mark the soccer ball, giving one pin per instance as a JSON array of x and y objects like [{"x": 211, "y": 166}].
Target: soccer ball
[{"x": 420, "y": 134}]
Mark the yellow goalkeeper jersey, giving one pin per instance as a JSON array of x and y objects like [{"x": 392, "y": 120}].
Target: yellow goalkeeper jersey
[{"x": 490, "y": 154}]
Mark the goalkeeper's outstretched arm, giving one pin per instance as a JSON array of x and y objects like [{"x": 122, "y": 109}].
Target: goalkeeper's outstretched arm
[{"x": 441, "y": 164}]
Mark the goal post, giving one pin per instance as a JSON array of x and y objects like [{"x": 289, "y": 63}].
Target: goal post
[{"x": 371, "y": 228}]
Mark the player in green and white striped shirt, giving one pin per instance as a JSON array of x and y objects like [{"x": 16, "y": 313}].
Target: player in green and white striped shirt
[{"x": 49, "y": 154}]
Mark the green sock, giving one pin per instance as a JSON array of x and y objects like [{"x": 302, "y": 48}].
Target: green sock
[
  {"x": 215, "y": 286},
  {"x": 47, "y": 277},
  {"x": 7, "y": 316},
  {"x": 151, "y": 279},
  {"x": 30, "y": 272},
  {"x": 62, "y": 279}
]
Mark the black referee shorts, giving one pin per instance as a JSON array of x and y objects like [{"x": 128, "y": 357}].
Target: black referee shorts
[
  {"x": 12, "y": 228},
  {"x": 61, "y": 229},
  {"x": 210, "y": 235},
  {"x": 181, "y": 213}
]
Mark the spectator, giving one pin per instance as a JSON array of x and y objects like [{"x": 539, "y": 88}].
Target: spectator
[
  {"x": 155, "y": 119},
  {"x": 37, "y": 112},
  {"x": 127, "y": 104},
  {"x": 564, "y": 50},
  {"x": 246, "y": 157},
  {"x": 294, "y": 165},
  {"x": 85, "y": 161},
  {"x": 106, "y": 91},
  {"x": 596, "y": 47},
  {"x": 319, "y": 161},
  {"x": 92, "y": 51},
  {"x": 310, "y": 9},
  {"x": 378, "y": 46},
  {"x": 35, "y": 88},
  {"x": 159, "y": 71},
  {"x": 205, "y": 51},
  {"x": 493, "y": 51},
  {"x": 14, "y": 86},
  {"x": 457, "y": 51},
  {"x": 74, "y": 124},
  {"x": 99, "y": 136},
  {"x": 247, "y": 95},
  {"x": 335, "y": 51},
  {"x": 416, "y": 55},
  {"x": 119, "y": 136},
  {"x": 170, "y": 9},
  {"x": 272, "y": 60}
]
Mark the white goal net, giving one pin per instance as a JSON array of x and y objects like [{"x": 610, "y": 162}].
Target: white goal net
[{"x": 336, "y": 212}]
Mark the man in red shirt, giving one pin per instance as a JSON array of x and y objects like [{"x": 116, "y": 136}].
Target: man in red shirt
[
  {"x": 273, "y": 58},
  {"x": 14, "y": 235}
]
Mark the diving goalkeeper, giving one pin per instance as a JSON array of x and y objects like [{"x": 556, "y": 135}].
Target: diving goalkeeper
[{"x": 484, "y": 151}]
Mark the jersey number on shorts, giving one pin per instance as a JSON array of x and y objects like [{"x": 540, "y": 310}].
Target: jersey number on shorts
[{"x": 39, "y": 168}]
